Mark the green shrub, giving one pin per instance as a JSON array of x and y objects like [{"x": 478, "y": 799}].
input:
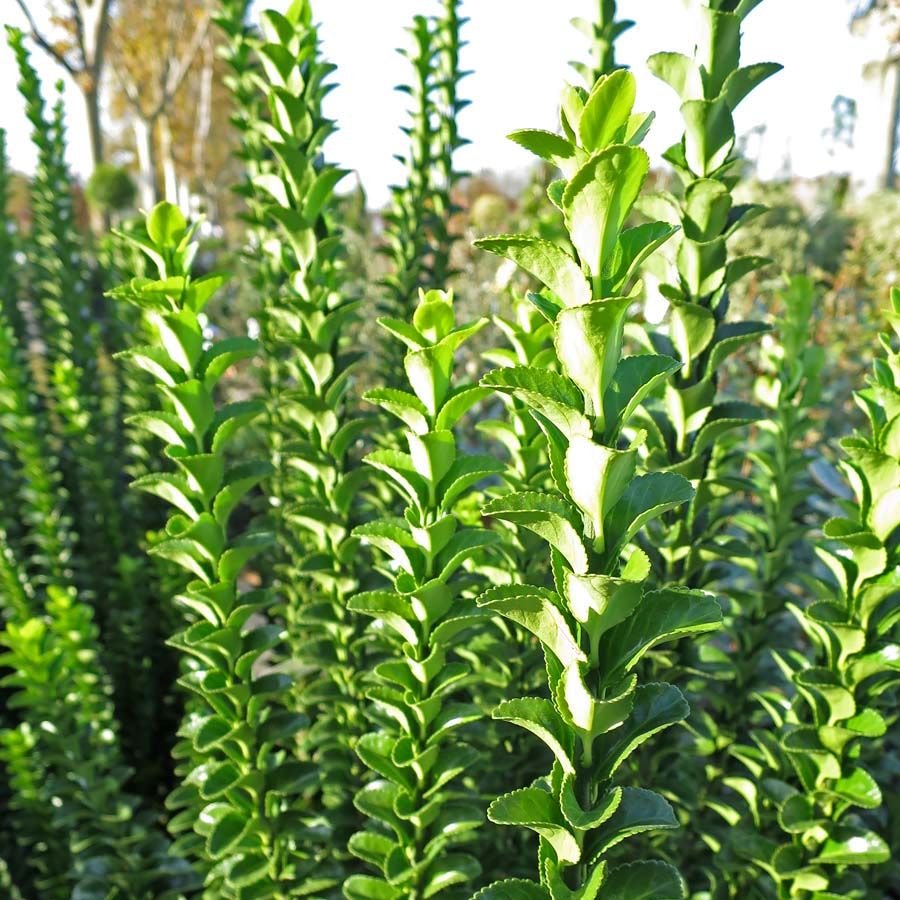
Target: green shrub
[
  {"x": 110, "y": 188},
  {"x": 401, "y": 628}
]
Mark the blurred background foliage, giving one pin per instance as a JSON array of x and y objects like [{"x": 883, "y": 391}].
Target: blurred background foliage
[{"x": 155, "y": 90}]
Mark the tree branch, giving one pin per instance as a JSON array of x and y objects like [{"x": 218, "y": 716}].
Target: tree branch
[
  {"x": 183, "y": 64},
  {"x": 78, "y": 18},
  {"x": 131, "y": 94},
  {"x": 44, "y": 44}
]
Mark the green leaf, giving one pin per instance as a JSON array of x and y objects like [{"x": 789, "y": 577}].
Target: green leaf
[
  {"x": 703, "y": 266},
  {"x": 537, "y": 809},
  {"x": 596, "y": 478},
  {"x": 691, "y": 331},
  {"x": 601, "y": 601},
  {"x": 160, "y": 424},
  {"x": 226, "y": 833},
  {"x": 648, "y": 880},
  {"x": 512, "y": 889},
  {"x": 587, "y": 820},
  {"x": 722, "y": 53},
  {"x": 849, "y": 846},
  {"x": 680, "y": 72},
  {"x": 663, "y": 615},
  {"x": 282, "y": 725},
  {"x": 646, "y": 497},
  {"x": 549, "y": 146},
  {"x": 634, "y": 247},
  {"x": 238, "y": 481},
  {"x": 320, "y": 191},
  {"x": 656, "y": 706},
  {"x": 540, "y": 717},
  {"x": 607, "y": 110},
  {"x": 433, "y": 317},
  {"x": 548, "y": 516},
  {"x": 210, "y": 733},
  {"x": 740, "y": 266},
  {"x": 373, "y": 848},
  {"x": 588, "y": 343},
  {"x": 172, "y": 488},
  {"x": 588, "y": 714},
  {"x": 458, "y": 404},
  {"x": 391, "y": 608},
  {"x": 709, "y": 134},
  {"x": 193, "y": 406},
  {"x": 292, "y": 777},
  {"x": 248, "y": 869},
  {"x": 219, "y": 779},
  {"x": 707, "y": 203},
  {"x": 407, "y": 407},
  {"x": 404, "y": 331},
  {"x": 599, "y": 197},
  {"x": 798, "y": 814},
  {"x": 731, "y": 336},
  {"x": 364, "y": 887},
  {"x": 548, "y": 262},
  {"x": 181, "y": 338},
  {"x": 432, "y": 454},
  {"x": 400, "y": 469},
  {"x": 635, "y": 378},
  {"x": 744, "y": 80},
  {"x": 224, "y": 354},
  {"x": 638, "y": 811},
  {"x": 466, "y": 471},
  {"x": 243, "y": 549},
  {"x": 165, "y": 225},
  {"x": 449, "y": 870},
  {"x": 551, "y": 394},
  {"x": 533, "y": 608},
  {"x": 230, "y": 419}
]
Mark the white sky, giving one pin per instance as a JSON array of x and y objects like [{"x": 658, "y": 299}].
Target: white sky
[{"x": 519, "y": 50}]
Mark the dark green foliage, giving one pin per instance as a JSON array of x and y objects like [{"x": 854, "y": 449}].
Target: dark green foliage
[
  {"x": 78, "y": 828},
  {"x": 110, "y": 188},
  {"x": 68, "y": 381},
  {"x": 821, "y": 792},
  {"x": 84, "y": 835},
  {"x": 770, "y": 516}
]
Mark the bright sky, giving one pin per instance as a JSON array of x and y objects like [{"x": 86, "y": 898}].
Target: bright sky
[{"x": 519, "y": 50}]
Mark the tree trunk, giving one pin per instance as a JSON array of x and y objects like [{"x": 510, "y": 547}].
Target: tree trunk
[
  {"x": 99, "y": 219},
  {"x": 148, "y": 183},
  {"x": 95, "y": 130},
  {"x": 170, "y": 176},
  {"x": 890, "y": 169}
]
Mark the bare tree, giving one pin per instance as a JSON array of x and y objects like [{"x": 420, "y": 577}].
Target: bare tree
[
  {"x": 80, "y": 49},
  {"x": 885, "y": 15},
  {"x": 155, "y": 45}
]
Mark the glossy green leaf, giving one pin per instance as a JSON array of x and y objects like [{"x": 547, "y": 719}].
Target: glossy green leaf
[
  {"x": 607, "y": 110},
  {"x": 537, "y": 809},
  {"x": 597, "y": 200},
  {"x": 663, "y": 615},
  {"x": 540, "y": 717},
  {"x": 548, "y": 516},
  {"x": 549, "y": 263},
  {"x": 648, "y": 880},
  {"x": 533, "y": 608}
]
